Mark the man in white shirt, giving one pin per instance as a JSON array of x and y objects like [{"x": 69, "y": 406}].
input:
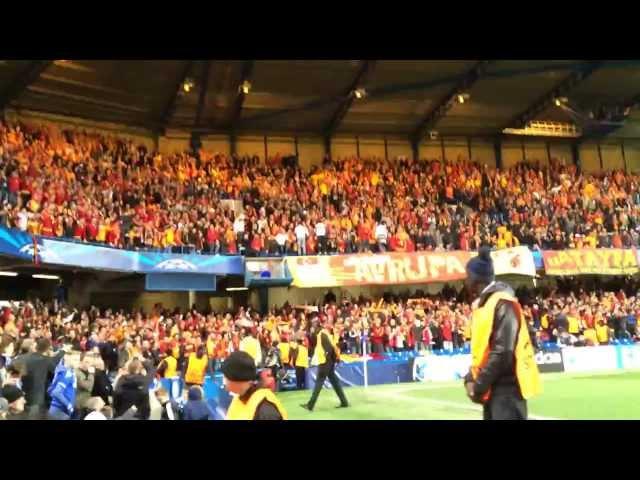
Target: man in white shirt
[
  {"x": 381, "y": 236},
  {"x": 321, "y": 234},
  {"x": 238, "y": 225},
  {"x": 23, "y": 219},
  {"x": 302, "y": 233},
  {"x": 238, "y": 229},
  {"x": 281, "y": 240}
]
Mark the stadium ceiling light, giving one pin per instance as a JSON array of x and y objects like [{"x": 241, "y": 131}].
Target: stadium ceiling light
[
  {"x": 360, "y": 93},
  {"x": 236, "y": 289},
  {"x": 45, "y": 277},
  {"x": 8, "y": 274},
  {"x": 463, "y": 97},
  {"x": 245, "y": 88},
  {"x": 188, "y": 85}
]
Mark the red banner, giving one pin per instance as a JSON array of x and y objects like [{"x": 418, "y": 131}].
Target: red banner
[
  {"x": 601, "y": 261},
  {"x": 378, "y": 269}
]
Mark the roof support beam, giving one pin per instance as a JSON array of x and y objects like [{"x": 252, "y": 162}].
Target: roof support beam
[
  {"x": 441, "y": 107},
  {"x": 245, "y": 76},
  {"x": 364, "y": 72},
  {"x": 560, "y": 90},
  {"x": 20, "y": 83},
  {"x": 203, "y": 87},
  {"x": 170, "y": 104}
]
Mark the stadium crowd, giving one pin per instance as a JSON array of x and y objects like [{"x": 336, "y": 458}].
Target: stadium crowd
[
  {"x": 114, "y": 356},
  {"x": 107, "y": 190}
]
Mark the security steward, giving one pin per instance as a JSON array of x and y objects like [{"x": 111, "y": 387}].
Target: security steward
[
  {"x": 326, "y": 355},
  {"x": 196, "y": 370},
  {"x": 251, "y": 345},
  {"x": 250, "y": 400},
  {"x": 168, "y": 368},
  {"x": 503, "y": 374},
  {"x": 299, "y": 357}
]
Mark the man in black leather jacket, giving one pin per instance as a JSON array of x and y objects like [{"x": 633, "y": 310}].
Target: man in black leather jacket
[{"x": 505, "y": 402}]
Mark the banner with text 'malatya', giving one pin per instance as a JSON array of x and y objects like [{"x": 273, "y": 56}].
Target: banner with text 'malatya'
[{"x": 599, "y": 261}]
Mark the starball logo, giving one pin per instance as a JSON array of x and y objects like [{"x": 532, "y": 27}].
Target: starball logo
[{"x": 176, "y": 264}]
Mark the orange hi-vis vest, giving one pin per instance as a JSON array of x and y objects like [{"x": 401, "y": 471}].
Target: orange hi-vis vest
[
  {"x": 239, "y": 410},
  {"x": 196, "y": 369},
  {"x": 481, "y": 327}
]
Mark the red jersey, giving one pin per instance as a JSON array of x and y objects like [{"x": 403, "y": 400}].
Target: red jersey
[
  {"x": 91, "y": 232},
  {"x": 14, "y": 184},
  {"x": 447, "y": 333},
  {"x": 79, "y": 231}
]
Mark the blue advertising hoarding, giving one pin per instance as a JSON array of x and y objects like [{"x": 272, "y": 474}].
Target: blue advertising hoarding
[{"x": 59, "y": 252}]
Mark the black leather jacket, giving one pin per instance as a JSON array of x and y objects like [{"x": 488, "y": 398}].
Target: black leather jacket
[{"x": 499, "y": 373}]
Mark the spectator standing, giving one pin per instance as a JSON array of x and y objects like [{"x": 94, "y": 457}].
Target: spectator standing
[
  {"x": 321, "y": 235},
  {"x": 132, "y": 389},
  {"x": 102, "y": 386},
  {"x": 85, "y": 376},
  {"x": 238, "y": 230},
  {"x": 39, "y": 367},
  {"x": 63, "y": 391},
  {"x": 109, "y": 354},
  {"x": 302, "y": 233},
  {"x": 417, "y": 331},
  {"x": 381, "y": 236},
  {"x": 281, "y": 242}
]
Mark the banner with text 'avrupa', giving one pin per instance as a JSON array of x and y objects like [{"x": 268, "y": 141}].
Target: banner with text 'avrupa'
[{"x": 400, "y": 268}]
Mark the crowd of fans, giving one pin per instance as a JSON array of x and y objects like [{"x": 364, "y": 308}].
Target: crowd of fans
[
  {"x": 107, "y": 190},
  {"x": 115, "y": 356}
]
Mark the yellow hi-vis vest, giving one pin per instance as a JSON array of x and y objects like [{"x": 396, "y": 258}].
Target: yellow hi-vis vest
[
  {"x": 196, "y": 369},
  {"x": 251, "y": 346},
  {"x": 172, "y": 367},
  {"x": 302, "y": 360},
  {"x": 574, "y": 325},
  {"x": 319, "y": 355},
  {"x": 482, "y": 324},
  {"x": 602, "y": 332},
  {"x": 284, "y": 352},
  {"x": 239, "y": 410}
]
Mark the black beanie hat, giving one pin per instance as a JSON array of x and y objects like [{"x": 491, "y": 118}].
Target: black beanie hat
[
  {"x": 480, "y": 268},
  {"x": 239, "y": 367},
  {"x": 11, "y": 393}
]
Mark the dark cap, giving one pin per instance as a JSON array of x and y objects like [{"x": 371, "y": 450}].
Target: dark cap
[
  {"x": 239, "y": 367},
  {"x": 480, "y": 268},
  {"x": 11, "y": 393}
]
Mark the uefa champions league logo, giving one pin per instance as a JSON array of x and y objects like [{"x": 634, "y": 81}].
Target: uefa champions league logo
[
  {"x": 45, "y": 255},
  {"x": 176, "y": 264}
]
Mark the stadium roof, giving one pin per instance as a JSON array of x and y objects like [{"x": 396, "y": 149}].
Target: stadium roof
[{"x": 407, "y": 98}]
